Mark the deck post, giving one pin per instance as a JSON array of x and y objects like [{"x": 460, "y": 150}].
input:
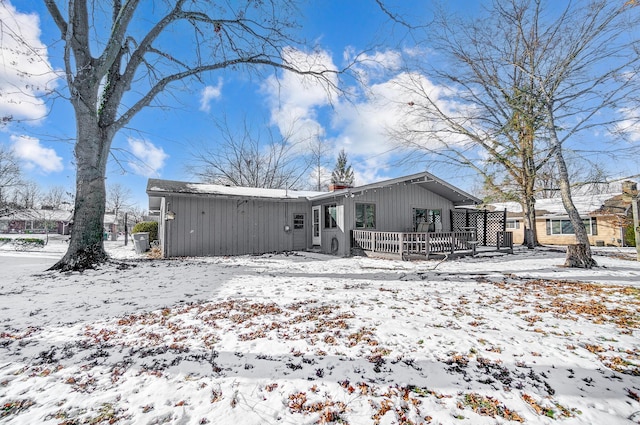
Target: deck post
[
  {"x": 373, "y": 241},
  {"x": 427, "y": 245},
  {"x": 401, "y": 244},
  {"x": 453, "y": 242},
  {"x": 504, "y": 220},
  {"x": 484, "y": 231}
]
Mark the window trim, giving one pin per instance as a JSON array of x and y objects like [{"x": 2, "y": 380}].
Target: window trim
[
  {"x": 564, "y": 224},
  {"x": 515, "y": 224},
  {"x": 430, "y": 213},
  {"x": 330, "y": 221},
  {"x": 365, "y": 221},
  {"x": 298, "y": 221}
]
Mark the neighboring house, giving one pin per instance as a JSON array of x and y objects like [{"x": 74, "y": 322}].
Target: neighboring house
[
  {"x": 207, "y": 220},
  {"x": 47, "y": 220},
  {"x": 110, "y": 223},
  {"x": 605, "y": 217},
  {"x": 36, "y": 221}
]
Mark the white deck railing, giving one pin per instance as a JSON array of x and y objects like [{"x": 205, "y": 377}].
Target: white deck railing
[{"x": 404, "y": 243}]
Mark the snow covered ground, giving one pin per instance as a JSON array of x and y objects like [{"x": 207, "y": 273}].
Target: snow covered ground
[{"x": 313, "y": 339}]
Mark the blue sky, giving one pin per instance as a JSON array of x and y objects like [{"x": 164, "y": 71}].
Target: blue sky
[{"x": 159, "y": 142}]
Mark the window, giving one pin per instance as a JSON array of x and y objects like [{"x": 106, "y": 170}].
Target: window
[
  {"x": 298, "y": 221},
  {"x": 563, "y": 226},
  {"x": 330, "y": 216},
  {"x": 426, "y": 220},
  {"x": 365, "y": 216},
  {"x": 513, "y": 224}
]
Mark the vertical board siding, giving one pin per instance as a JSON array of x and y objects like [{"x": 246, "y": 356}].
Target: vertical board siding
[
  {"x": 395, "y": 204},
  {"x": 394, "y": 211},
  {"x": 212, "y": 227}
]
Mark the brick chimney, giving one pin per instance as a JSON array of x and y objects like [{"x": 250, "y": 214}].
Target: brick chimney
[{"x": 338, "y": 186}]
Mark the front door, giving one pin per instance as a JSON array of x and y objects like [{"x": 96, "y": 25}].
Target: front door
[{"x": 315, "y": 239}]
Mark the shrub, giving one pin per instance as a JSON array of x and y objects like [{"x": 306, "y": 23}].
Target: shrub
[
  {"x": 147, "y": 226},
  {"x": 21, "y": 244},
  {"x": 629, "y": 236}
]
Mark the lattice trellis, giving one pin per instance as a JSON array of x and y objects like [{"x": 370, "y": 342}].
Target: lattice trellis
[{"x": 487, "y": 224}]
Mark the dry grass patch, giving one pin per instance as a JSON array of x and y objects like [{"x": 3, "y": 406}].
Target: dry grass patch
[{"x": 488, "y": 406}]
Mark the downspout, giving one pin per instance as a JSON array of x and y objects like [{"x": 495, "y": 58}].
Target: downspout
[{"x": 165, "y": 227}]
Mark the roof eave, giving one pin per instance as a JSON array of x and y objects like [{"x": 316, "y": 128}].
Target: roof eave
[{"x": 460, "y": 198}]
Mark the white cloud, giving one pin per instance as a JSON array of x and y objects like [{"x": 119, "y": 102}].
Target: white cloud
[
  {"x": 630, "y": 125},
  {"x": 365, "y": 127},
  {"x": 298, "y": 101},
  {"x": 26, "y": 72},
  {"x": 361, "y": 124},
  {"x": 29, "y": 150},
  {"x": 363, "y": 131},
  {"x": 294, "y": 99},
  {"x": 208, "y": 94},
  {"x": 150, "y": 158},
  {"x": 400, "y": 101},
  {"x": 371, "y": 67}
]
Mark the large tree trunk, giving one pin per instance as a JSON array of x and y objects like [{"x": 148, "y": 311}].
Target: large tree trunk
[
  {"x": 578, "y": 256},
  {"x": 527, "y": 131},
  {"x": 582, "y": 257},
  {"x": 530, "y": 234},
  {"x": 86, "y": 246}
]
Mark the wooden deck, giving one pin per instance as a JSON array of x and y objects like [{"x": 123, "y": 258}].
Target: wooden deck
[{"x": 427, "y": 244}]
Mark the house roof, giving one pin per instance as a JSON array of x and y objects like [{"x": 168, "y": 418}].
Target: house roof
[
  {"x": 36, "y": 214},
  {"x": 425, "y": 180},
  {"x": 618, "y": 204},
  {"x": 595, "y": 204},
  {"x": 157, "y": 188},
  {"x": 110, "y": 219}
]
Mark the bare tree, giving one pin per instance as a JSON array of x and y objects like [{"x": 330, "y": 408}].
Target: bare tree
[
  {"x": 135, "y": 214},
  {"x": 587, "y": 68},
  {"x": 118, "y": 198},
  {"x": 478, "y": 111},
  {"x": 319, "y": 159},
  {"x": 242, "y": 158},
  {"x": 589, "y": 179},
  {"x": 10, "y": 178},
  {"x": 55, "y": 197},
  {"x": 115, "y": 49},
  {"x": 27, "y": 195},
  {"x": 517, "y": 86}
]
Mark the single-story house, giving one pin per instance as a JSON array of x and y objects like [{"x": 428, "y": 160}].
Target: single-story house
[
  {"x": 197, "y": 219},
  {"x": 47, "y": 220},
  {"x": 36, "y": 221},
  {"x": 111, "y": 223},
  {"x": 606, "y": 217}
]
